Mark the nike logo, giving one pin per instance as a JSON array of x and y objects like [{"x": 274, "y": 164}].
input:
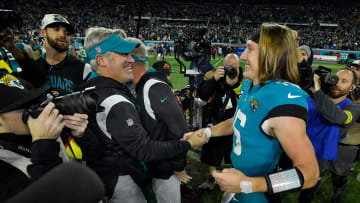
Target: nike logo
[
  {"x": 164, "y": 99},
  {"x": 293, "y": 96}
]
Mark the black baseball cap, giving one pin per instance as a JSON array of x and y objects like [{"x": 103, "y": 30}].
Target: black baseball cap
[
  {"x": 17, "y": 93},
  {"x": 162, "y": 66}
]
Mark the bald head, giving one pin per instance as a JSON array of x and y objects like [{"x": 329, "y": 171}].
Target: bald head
[{"x": 232, "y": 60}]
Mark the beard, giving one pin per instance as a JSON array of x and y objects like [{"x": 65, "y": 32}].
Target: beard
[
  {"x": 341, "y": 93},
  {"x": 60, "y": 47}
]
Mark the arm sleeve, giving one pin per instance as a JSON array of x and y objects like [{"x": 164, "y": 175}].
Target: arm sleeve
[
  {"x": 123, "y": 124},
  {"x": 167, "y": 110},
  {"x": 44, "y": 157},
  {"x": 332, "y": 113}
]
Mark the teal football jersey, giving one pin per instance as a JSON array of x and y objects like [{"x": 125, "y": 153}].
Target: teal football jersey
[{"x": 254, "y": 152}]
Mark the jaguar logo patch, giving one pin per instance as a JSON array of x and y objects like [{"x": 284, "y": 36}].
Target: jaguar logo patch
[{"x": 254, "y": 105}]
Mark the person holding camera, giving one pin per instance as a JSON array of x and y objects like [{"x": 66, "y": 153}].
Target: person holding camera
[
  {"x": 219, "y": 90},
  {"x": 57, "y": 68},
  {"x": 28, "y": 148},
  {"x": 330, "y": 115},
  {"x": 123, "y": 139},
  {"x": 270, "y": 118}
]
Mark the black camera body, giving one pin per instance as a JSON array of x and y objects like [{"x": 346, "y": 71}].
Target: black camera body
[
  {"x": 327, "y": 80},
  {"x": 356, "y": 92},
  {"x": 78, "y": 102},
  {"x": 184, "y": 92},
  {"x": 230, "y": 71}
]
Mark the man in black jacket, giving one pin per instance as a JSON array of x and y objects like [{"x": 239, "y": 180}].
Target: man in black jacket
[
  {"x": 219, "y": 90},
  {"x": 163, "y": 119},
  {"x": 28, "y": 149},
  {"x": 123, "y": 139}
]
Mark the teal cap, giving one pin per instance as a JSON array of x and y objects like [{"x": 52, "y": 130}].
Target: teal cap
[{"x": 115, "y": 44}]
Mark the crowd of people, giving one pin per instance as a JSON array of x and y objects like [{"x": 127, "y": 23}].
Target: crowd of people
[
  {"x": 121, "y": 118},
  {"x": 334, "y": 26}
]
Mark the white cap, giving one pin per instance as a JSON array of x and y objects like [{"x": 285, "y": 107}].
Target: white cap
[{"x": 55, "y": 18}]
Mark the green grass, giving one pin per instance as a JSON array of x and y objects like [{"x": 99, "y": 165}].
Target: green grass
[{"x": 324, "y": 194}]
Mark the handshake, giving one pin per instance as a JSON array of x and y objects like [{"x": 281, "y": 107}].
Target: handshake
[{"x": 197, "y": 138}]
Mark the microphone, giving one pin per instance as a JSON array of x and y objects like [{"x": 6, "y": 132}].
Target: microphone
[{"x": 67, "y": 183}]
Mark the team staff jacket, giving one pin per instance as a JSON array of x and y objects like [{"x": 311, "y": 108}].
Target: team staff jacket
[
  {"x": 328, "y": 123},
  {"x": 62, "y": 77},
  {"x": 124, "y": 141},
  {"x": 23, "y": 161},
  {"x": 222, "y": 99},
  {"x": 255, "y": 152},
  {"x": 163, "y": 119}
]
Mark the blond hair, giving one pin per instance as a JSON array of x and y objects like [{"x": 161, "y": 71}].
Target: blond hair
[{"x": 278, "y": 54}]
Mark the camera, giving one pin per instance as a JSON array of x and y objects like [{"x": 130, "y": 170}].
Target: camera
[
  {"x": 230, "y": 71},
  {"x": 356, "y": 92},
  {"x": 184, "y": 92},
  {"x": 193, "y": 45},
  {"x": 326, "y": 78},
  {"x": 78, "y": 102}
]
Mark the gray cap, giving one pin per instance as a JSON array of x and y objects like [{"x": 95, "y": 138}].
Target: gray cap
[{"x": 306, "y": 49}]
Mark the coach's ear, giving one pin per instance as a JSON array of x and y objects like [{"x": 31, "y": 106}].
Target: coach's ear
[{"x": 101, "y": 60}]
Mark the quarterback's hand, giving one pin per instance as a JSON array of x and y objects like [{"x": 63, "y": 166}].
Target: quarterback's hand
[
  {"x": 229, "y": 179},
  {"x": 197, "y": 138}
]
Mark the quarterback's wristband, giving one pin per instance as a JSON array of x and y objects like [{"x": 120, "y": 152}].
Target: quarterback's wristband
[
  {"x": 207, "y": 132},
  {"x": 284, "y": 181},
  {"x": 246, "y": 187}
]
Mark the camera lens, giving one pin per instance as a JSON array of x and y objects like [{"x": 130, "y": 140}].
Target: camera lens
[{"x": 230, "y": 72}]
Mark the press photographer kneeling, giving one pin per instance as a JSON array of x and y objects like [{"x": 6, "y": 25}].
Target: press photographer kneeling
[{"x": 25, "y": 158}]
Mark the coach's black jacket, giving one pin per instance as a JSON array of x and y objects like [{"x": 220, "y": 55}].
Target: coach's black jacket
[
  {"x": 162, "y": 118},
  {"x": 124, "y": 141}
]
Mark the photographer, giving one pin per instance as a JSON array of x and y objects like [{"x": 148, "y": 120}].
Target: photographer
[
  {"x": 28, "y": 150},
  {"x": 218, "y": 89},
  {"x": 125, "y": 143},
  {"x": 329, "y": 118}
]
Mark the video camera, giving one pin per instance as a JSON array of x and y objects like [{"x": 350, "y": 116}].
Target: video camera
[
  {"x": 326, "y": 78},
  {"x": 193, "y": 45},
  {"x": 78, "y": 102}
]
